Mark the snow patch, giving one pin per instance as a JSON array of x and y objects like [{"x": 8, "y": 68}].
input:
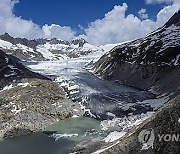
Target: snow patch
[
  {"x": 5, "y": 44},
  {"x": 155, "y": 103},
  {"x": 73, "y": 87},
  {"x": 125, "y": 123},
  {"x": 24, "y": 48},
  {"x": 177, "y": 60},
  {"x": 75, "y": 116},
  {"x": 23, "y": 84},
  {"x": 11, "y": 74},
  {"x": 11, "y": 86},
  {"x": 89, "y": 112},
  {"x": 74, "y": 92},
  {"x": 7, "y": 88},
  {"x": 59, "y": 136},
  {"x": 114, "y": 136}
]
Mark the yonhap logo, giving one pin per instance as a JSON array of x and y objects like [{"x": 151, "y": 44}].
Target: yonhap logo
[{"x": 146, "y": 138}]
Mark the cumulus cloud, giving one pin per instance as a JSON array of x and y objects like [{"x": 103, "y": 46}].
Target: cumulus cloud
[
  {"x": 15, "y": 25},
  {"x": 142, "y": 14},
  {"x": 117, "y": 27},
  {"x": 166, "y": 13},
  {"x": 18, "y": 27},
  {"x": 57, "y": 31}
]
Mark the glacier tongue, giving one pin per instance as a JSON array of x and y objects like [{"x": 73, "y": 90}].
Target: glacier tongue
[{"x": 97, "y": 97}]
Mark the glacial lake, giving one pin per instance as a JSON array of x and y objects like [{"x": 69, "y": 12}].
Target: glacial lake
[{"x": 69, "y": 133}]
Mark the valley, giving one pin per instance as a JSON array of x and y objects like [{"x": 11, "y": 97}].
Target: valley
[{"x": 79, "y": 98}]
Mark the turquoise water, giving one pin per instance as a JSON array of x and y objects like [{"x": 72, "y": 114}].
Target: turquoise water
[{"x": 83, "y": 128}]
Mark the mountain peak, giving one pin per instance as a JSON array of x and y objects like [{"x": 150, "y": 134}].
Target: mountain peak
[
  {"x": 80, "y": 41},
  {"x": 6, "y": 37},
  {"x": 175, "y": 19}
]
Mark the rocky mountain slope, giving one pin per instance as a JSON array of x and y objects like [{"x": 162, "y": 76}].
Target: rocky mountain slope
[
  {"x": 12, "y": 71},
  {"x": 165, "y": 121},
  {"x": 44, "y": 49},
  {"x": 29, "y": 101},
  {"x": 152, "y": 62}
]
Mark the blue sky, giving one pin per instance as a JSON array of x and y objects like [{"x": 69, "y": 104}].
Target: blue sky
[
  {"x": 97, "y": 21},
  {"x": 77, "y": 12}
]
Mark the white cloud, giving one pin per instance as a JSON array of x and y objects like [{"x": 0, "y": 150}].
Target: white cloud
[
  {"x": 162, "y": 1},
  {"x": 18, "y": 27},
  {"x": 142, "y": 14},
  {"x": 158, "y": 1},
  {"x": 117, "y": 27},
  {"x": 64, "y": 33},
  {"x": 166, "y": 13},
  {"x": 15, "y": 25}
]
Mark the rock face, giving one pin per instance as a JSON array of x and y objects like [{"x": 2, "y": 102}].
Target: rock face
[
  {"x": 29, "y": 101},
  {"x": 12, "y": 71},
  {"x": 79, "y": 42},
  {"x": 150, "y": 62}
]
